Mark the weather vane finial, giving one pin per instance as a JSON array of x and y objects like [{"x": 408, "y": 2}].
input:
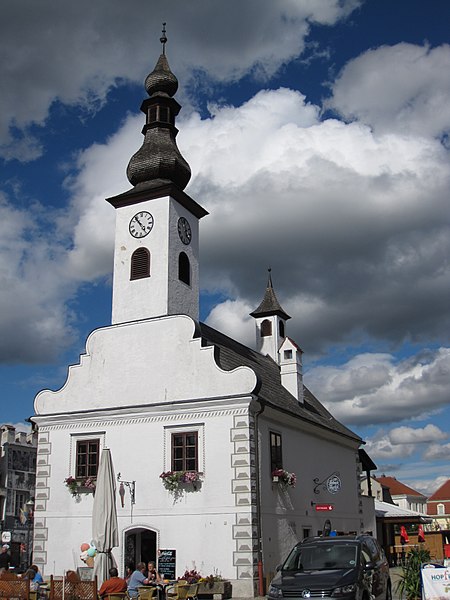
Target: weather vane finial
[{"x": 163, "y": 39}]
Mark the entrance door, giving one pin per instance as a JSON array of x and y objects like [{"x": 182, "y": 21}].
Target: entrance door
[{"x": 140, "y": 546}]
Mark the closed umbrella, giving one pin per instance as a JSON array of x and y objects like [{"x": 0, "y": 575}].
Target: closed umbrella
[{"x": 105, "y": 534}]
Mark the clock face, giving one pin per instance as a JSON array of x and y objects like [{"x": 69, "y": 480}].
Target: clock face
[
  {"x": 141, "y": 224},
  {"x": 184, "y": 231}
]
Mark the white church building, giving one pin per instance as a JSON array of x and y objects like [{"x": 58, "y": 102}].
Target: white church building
[{"x": 169, "y": 395}]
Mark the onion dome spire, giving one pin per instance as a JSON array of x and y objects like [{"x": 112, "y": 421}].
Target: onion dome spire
[
  {"x": 158, "y": 161},
  {"x": 270, "y": 305}
]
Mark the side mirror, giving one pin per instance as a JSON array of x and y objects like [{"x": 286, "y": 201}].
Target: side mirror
[{"x": 369, "y": 566}]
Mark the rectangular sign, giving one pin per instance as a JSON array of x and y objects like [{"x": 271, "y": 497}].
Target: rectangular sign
[
  {"x": 324, "y": 507},
  {"x": 435, "y": 582},
  {"x": 167, "y": 563}
]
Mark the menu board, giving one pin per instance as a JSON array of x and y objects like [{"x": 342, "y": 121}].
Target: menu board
[{"x": 167, "y": 564}]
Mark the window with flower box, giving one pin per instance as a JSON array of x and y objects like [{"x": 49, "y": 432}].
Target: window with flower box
[
  {"x": 185, "y": 451},
  {"x": 87, "y": 458}
]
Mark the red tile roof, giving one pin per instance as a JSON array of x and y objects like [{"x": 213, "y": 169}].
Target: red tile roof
[
  {"x": 442, "y": 493},
  {"x": 397, "y": 488}
]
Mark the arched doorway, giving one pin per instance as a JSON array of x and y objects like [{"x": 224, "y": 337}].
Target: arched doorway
[{"x": 140, "y": 546}]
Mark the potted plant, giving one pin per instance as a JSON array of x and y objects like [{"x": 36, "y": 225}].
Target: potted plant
[
  {"x": 409, "y": 584},
  {"x": 173, "y": 481},
  {"x": 283, "y": 476},
  {"x": 76, "y": 486}
]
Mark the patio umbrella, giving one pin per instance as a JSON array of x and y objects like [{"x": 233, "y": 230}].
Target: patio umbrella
[{"x": 105, "y": 534}]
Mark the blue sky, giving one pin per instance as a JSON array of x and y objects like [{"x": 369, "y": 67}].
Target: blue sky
[{"x": 317, "y": 134}]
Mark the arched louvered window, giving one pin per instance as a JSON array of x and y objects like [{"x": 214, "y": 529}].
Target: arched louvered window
[
  {"x": 184, "y": 268},
  {"x": 281, "y": 329},
  {"x": 266, "y": 328},
  {"x": 140, "y": 264}
]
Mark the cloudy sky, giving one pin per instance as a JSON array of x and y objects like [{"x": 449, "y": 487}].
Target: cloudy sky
[{"x": 317, "y": 132}]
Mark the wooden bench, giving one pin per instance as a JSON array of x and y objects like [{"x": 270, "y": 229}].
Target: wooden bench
[{"x": 16, "y": 588}]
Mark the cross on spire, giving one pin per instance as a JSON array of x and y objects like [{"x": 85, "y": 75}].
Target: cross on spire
[{"x": 163, "y": 39}]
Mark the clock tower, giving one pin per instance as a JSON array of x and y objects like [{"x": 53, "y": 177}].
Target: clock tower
[{"x": 156, "y": 251}]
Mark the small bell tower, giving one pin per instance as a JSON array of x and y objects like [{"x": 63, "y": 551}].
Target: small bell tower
[
  {"x": 270, "y": 323},
  {"x": 156, "y": 252}
]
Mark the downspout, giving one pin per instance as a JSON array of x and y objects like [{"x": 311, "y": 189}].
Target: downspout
[{"x": 258, "y": 408}]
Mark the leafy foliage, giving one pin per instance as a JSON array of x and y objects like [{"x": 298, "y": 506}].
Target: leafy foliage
[{"x": 409, "y": 584}]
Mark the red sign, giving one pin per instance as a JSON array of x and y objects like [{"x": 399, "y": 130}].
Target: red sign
[{"x": 324, "y": 507}]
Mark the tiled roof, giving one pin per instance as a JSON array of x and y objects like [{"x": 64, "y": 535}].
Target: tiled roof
[
  {"x": 442, "y": 493},
  {"x": 397, "y": 488},
  {"x": 230, "y": 354},
  {"x": 269, "y": 304}
]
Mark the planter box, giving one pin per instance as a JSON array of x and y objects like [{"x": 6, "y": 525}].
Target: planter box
[{"x": 219, "y": 589}]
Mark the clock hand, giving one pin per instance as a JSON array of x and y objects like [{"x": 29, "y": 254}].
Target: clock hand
[{"x": 140, "y": 224}]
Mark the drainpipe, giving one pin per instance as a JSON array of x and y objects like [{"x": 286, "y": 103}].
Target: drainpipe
[{"x": 258, "y": 408}]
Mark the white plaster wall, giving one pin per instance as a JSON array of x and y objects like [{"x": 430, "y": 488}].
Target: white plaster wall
[
  {"x": 199, "y": 525},
  {"x": 286, "y": 510},
  {"x": 145, "y": 362},
  {"x": 161, "y": 293}
]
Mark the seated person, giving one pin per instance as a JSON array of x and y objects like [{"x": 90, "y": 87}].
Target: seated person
[
  {"x": 113, "y": 585},
  {"x": 152, "y": 574},
  {"x": 37, "y": 576},
  {"x": 137, "y": 579}
]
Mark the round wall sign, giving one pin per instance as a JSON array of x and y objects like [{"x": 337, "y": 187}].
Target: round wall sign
[{"x": 333, "y": 484}]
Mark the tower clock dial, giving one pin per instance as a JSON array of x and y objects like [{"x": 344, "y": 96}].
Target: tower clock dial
[
  {"x": 141, "y": 224},
  {"x": 184, "y": 231}
]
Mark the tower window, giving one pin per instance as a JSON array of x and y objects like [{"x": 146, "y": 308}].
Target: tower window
[
  {"x": 266, "y": 328},
  {"x": 164, "y": 114},
  {"x": 140, "y": 264},
  {"x": 152, "y": 114},
  {"x": 184, "y": 268},
  {"x": 281, "y": 329}
]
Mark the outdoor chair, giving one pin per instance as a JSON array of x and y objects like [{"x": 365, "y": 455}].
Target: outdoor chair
[
  {"x": 117, "y": 596},
  {"x": 184, "y": 591},
  {"x": 147, "y": 593}
]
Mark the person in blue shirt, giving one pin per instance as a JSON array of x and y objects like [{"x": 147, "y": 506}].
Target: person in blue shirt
[
  {"x": 137, "y": 579},
  {"x": 38, "y": 577}
]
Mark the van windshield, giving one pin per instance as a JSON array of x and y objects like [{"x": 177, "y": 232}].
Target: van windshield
[{"x": 321, "y": 557}]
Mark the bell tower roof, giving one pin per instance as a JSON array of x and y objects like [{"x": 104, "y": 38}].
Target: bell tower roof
[
  {"x": 159, "y": 162},
  {"x": 270, "y": 305}
]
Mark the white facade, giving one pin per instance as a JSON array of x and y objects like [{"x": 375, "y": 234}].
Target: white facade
[{"x": 156, "y": 376}]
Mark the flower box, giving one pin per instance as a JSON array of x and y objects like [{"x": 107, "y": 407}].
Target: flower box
[{"x": 217, "y": 588}]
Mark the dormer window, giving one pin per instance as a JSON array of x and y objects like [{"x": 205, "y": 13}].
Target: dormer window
[
  {"x": 184, "y": 268},
  {"x": 140, "y": 264},
  {"x": 287, "y": 354},
  {"x": 266, "y": 328}
]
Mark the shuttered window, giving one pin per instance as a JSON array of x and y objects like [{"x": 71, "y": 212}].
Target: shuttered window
[
  {"x": 266, "y": 328},
  {"x": 140, "y": 264}
]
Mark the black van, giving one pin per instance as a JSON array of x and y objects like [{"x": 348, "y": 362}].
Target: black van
[{"x": 347, "y": 567}]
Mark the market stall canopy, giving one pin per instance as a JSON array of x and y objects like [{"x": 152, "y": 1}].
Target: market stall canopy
[{"x": 395, "y": 514}]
